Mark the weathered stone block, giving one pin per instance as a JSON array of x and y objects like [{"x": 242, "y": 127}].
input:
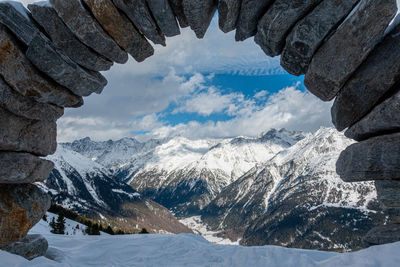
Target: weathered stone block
[
  {"x": 377, "y": 158},
  {"x": 23, "y": 77},
  {"x": 46, "y": 17},
  {"x": 30, "y": 247},
  {"x": 251, "y": 12},
  {"x": 21, "y": 207},
  {"x": 22, "y": 168},
  {"x": 88, "y": 30},
  {"x": 199, "y": 14},
  {"x": 309, "y": 33},
  {"x": 164, "y": 17},
  {"x": 177, "y": 8},
  {"x": 24, "y": 135},
  {"x": 375, "y": 77},
  {"x": 278, "y": 20},
  {"x": 139, "y": 13},
  {"x": 388, "y": 193},
  {"x": 339, "y": 57},
  {"x": 121, "y": 29},
  {"x": 228, "y": 12},
  {"x": 383, "y": 234},
  {"x": 27, "y": 107},
  {"x": 383, "y": 118}
]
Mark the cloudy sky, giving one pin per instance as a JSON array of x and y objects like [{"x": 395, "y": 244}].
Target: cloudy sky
[{"x": 209, "y": 88}]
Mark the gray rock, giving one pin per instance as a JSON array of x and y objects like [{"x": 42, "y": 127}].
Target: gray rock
[
  {"x": 139, "y": 13},
  {"x": 27, "y": 107},
  {"x": 276, "y": 23},
  {"x": 25, "y": 135},
  {"x": 228, "y": 12},
  {"x": 309, "y": 33},
  {"x": 30, "y": 247},
  {"x": 388, "y": 193},
  {"x": 120, "y": 28},
  {"x": 199, "y": 14},
  {"x": 338, "y": 58},
  {"x": 383, "y": 118},
  {"x": 19, "y": 73},
  {"x": 88, "y": 30},
  {"x": 383, "y": 234},
  {"x": 394, "y": 214},
  {"x": 365, "y": 89},
  {"x": 177, "y": 8},
  {"x": 21, "y": 207},
  {"x": 46, "y": 17},
  {"x": 165, "y": 18},
  {"x": 377, "y": 158},
  {"x": 62, "y": 69},
  {"x": 23, "y": 168},
  {"x": 251, "y": 12}
]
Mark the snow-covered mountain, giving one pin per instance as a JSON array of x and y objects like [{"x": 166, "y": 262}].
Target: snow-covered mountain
[
  {"x": 82, "y": 185},
  {"x": 296, "y": 199}
]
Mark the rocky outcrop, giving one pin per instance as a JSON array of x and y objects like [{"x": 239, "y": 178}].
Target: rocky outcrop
[
  {"x": 199, "y": 14},
  {"x": 228, "y": 13},
  {"x": 30, "y": 247},
  {"x": 21, "y": 207},
  {"x": 383, "y": 234},
  {"x": 164, "y": 17},
  {"x": 388, "y": 193}
]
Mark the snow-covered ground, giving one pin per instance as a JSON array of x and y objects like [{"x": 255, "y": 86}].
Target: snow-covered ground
[{"x": 190, "y": 250}]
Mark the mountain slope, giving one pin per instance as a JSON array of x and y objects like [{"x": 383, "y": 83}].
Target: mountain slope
[
  {"x": 296, "y": 199},
  {"x": 88, "y": 188}
]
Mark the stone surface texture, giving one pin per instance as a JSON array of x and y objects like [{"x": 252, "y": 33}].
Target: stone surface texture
[
  {"x": 309, "y": 33},
  {"x": 388, "y": 192},
  {"x": 376, "y": 76},
  {"x": 177, "y": 8},
  {"x": 278, "y": 20},
  {"x": 383, "y": 118},
  {"x": 164, "y": 17},
  {"x": 27, "y": 107},
  {"x": 21, "y": 207},
  {"x": 25, "y": 135},
  {"x": 339, "y": 57},
  {"x": 199, "y": 14},
  {"x": 139, "y": 13},
  {"x": 24, "y": 78},
  {"x": 46, "y": 17},
  {"x": 250, "y": 13},
  {"x": 88, "y": 30},
  {"x": 30, "y": 247},
  {"x": 120, "y": 28},
  {"x": 383, "y": 234},
  {"x": 22, "y": 168},
  {"x": 377, "y": 158},
  {"x": 228, "y": 12}
]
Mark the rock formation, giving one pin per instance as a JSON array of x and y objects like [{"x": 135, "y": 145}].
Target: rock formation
[{"x": 51, "y": 56}]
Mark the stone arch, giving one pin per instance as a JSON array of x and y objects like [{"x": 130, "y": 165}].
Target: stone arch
[{"x": 51, "y": 55}]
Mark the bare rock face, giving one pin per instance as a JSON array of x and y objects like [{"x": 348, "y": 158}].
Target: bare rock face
[
  {"x": 309, "y": 33},
  {"x": 177, "y": 8},
  {"x": 24, "y": 135},
  {"x": 22, "y": 168},
  {"x": 46, "y": 17},
  {"x": 338, "y": 58},
  {"x": 139, "y": 13},
  {"x": 21, "y": 207},
  {"x": 30, "y": 247},
  {"x": 375, "y": 77},
  {"x": 121, "y": 29},
  {"x": 88, "y": 30},
  {"x": 27, "y": 107},
  {"x": 228, "y": 12},
  {"x": 251, "y": 12},
  {"x": 164, "y": 17},
  {"x": 19, "y": 73},
  {"x": 383, "y": 118},
  {"x": 383, "y": 235},
  {"x": 377, "y": 158},
  {"x": 278, "y": 20},
  {"x": 388, "y": 193},
  {"x": 199, "y": 14}
]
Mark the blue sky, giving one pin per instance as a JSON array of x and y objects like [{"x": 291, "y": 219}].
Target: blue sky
[{"x": 209, "y": 88}]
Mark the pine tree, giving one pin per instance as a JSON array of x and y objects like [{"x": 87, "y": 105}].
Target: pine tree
[
  {"x": 109, "y": 230},
  {"x": 144, "y": 231},
  {"x": 58, "y": 227},
  {"x": 53, "y": 226},
  {"x": 44, "y": 217}
]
